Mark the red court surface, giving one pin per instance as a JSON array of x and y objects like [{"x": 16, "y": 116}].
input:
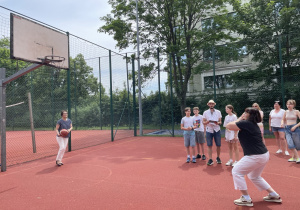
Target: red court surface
[
  {"x": 140, "y": 173},
  {"x": 19, "y": 143}
]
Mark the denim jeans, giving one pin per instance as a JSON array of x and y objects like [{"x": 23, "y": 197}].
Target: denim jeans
[{"x": 292, "y": 137}]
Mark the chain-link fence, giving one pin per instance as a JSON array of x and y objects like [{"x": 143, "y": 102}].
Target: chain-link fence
[
  {"x": 100, "y": 90},
  {"x": 97, "y": 92},
  {"x": 241, "y": 76}
]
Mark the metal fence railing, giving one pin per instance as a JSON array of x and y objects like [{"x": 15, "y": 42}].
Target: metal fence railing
[{"x": 100, "y": 90}]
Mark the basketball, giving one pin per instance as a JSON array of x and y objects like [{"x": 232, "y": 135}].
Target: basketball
[{"x": 64, "y": 133}]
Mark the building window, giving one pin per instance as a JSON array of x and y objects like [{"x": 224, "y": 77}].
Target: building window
[
  {"x": 209, "y": 24},
  {"x": 222, "y": 82}
]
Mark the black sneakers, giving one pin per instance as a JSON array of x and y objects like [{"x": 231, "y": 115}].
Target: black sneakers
[
  {"x": 198, "y": 156},
  {"x": 210, "y": 162},
  {"x": 219, "y": 160},
  {"x": 203, "y": 157}
]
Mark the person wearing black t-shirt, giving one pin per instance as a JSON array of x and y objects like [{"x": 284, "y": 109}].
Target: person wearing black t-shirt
[{"x": 256, "y": 156}]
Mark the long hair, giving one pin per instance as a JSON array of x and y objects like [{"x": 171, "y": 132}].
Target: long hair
[
  {"x": 256, "y": 104},
  {"x": 229, "y": 106},
  {"x": 254, "y": 115}
]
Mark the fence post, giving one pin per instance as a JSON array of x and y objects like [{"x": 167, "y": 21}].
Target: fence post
[
  {"x": 100, "y": 85},
  {"x": 159, "y": 96},
  {"x": 111, "y": 100},
  {"x": 133, "y": 99},
  {"x": 52, "y": 98},
  {"x": 281, "y": 71},
  {"x": 171, "y": 95},
  {"x": 3, "y": 119},
  {"x": 69, "y": 104},
  {"x": 128, "y": 99},
  {"x": 31, "y": 123},
  {"x": 75, "y": 95},
  {"x": 69, "y": 92},
  {"x": 214, "y": 71}
]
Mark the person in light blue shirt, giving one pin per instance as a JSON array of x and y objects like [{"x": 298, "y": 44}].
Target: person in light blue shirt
[{"x": 188, "y": 124}]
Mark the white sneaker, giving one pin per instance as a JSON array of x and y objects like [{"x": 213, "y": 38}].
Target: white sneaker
[
  {"x": 275, "y": 199},
  {"x": 235, "y": 162},
  {"x": 292, "y": 159},
  {"x": 279, "y": 151},
  {"x": 286, "y": 153},
  {"x": 229, "y": 163},
  {"x": 243, "y": 202}
]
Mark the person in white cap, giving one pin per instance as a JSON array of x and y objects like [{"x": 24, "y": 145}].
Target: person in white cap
[{"x": 212, "y": 118}]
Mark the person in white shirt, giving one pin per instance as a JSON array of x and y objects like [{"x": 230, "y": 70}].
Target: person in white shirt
[
  {"x": 231, "y": 136},
  {"x": 188, "y": 124},
  {"x": 275, "y": 118},
  {"x": 199, "y": 133},
  {"x": 212, "y": 118}
]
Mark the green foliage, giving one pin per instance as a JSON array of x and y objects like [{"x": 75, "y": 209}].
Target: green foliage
[
  {"x": 174, "y": 27},
  {"x": 262, "y": 24},
  {"x": 269, "y": 29}
]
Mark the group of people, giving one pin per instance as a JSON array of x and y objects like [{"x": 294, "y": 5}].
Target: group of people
[
  {"x": 247, "y": 130},
  {"x": 198, "y": 127}
]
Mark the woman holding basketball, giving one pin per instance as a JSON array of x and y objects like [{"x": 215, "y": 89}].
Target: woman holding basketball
[
  {"x": 62, "y": 136},
  {"x": 256, "y": 156}
]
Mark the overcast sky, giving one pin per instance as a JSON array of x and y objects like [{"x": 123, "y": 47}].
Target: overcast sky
[{"x": 79, "y": 17}]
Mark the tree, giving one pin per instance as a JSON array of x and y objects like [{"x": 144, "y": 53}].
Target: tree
[
  {"x": 264, "y": 25},
  {"x": 175, "y": 27}
]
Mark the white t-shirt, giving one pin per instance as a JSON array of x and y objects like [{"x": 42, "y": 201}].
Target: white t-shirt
[
  {"x": 260, "y": 124},
  {"x": 229, "y": 135},
  {"x": 212, "y": 116},
  {"x": 276, "y": 118},
  {"x": 188, "y": 122},
  {"x": 199, "y": 122}
]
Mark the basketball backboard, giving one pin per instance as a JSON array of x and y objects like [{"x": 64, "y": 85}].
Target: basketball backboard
[{"x": 33, "y": 42}]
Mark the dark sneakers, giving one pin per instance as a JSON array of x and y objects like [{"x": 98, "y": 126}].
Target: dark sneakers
[
  {"x": 203, "y": 157},
  {"x": 210, "y": 162},
  {"x": 219, "y": 160},
  {"x": 198, "y": 156}
]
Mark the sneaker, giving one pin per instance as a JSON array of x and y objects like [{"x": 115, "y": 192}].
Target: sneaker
[
  {"x": 229, "y": 163},
  {"x": 233, "y": 164},
  {"x": 203, "y": 157},
  {"x": 279, "y": 151},
  {"x": 275, "y": 199},
  {"x": 188, "y": 160},
  {"x": 198, "y": 156},
  {"x": 298, "y": 160},
  {"x": 210, "y": 162},
  {"x": 194, "y": 160},
  {"x": 286, "y": 153},
  {"x": 219, "y": 160},
  {"x": 292, "y": 159},
  {"x": 243, "y": 202}
]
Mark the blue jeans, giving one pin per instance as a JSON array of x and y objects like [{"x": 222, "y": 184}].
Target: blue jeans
[
  {"x": 216, "y": 136},
  {"x": 292, "y": 137}
]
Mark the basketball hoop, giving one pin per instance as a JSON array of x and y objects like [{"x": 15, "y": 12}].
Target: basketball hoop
[{"x": 53, "y": 60}]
